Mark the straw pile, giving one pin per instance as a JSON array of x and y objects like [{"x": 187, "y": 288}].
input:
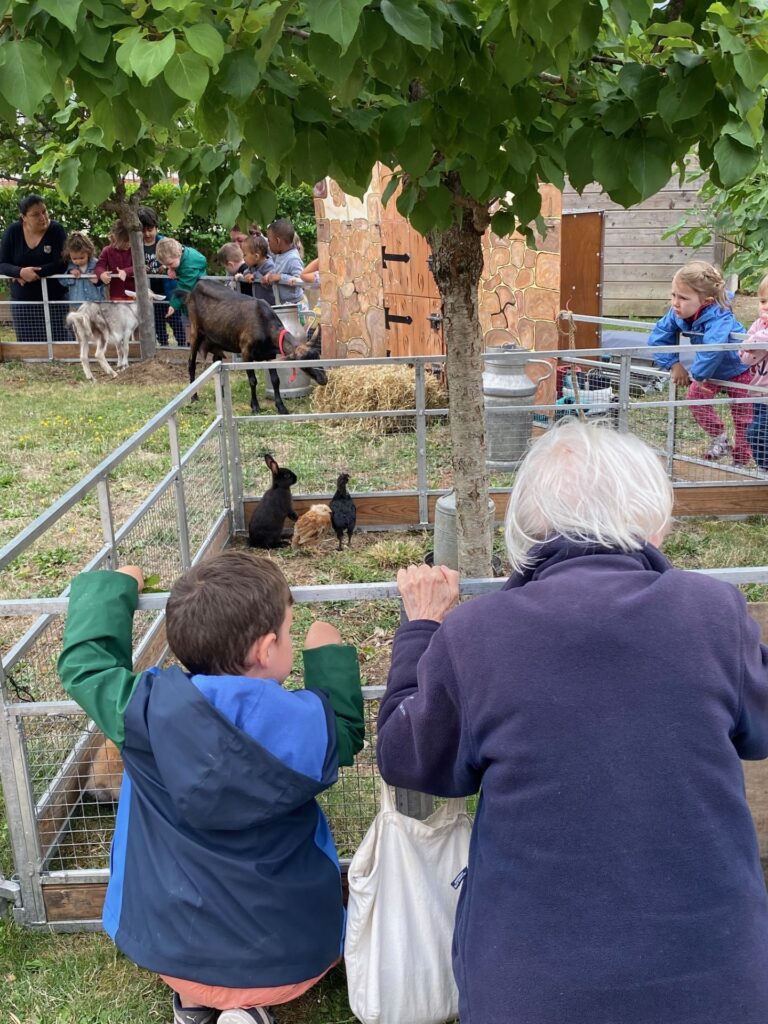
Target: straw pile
[{"x": 369, "y": 388}]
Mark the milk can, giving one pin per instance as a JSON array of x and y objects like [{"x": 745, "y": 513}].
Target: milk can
[
  {"x": 506, "y": 387},
  {"x": 301, "y": 384},
  {"x": 446, "y": 531}
]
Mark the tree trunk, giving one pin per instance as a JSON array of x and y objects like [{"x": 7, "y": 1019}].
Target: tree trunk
[
  {"x": 130, "y": 218},
  {"x": 457, "y": 259}
]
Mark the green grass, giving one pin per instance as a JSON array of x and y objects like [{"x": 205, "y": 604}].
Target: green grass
[{"x": 55, "y": 429}]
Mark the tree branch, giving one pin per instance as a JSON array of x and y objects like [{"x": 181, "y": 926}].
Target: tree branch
[{"x": 300, "y": 33}]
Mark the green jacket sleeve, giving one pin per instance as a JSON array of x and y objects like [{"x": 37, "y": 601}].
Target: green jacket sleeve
[
  {"x": 334, "y": 670},
  {"x": 95, "y": 665},
  {"x": 192, "y": 267}
]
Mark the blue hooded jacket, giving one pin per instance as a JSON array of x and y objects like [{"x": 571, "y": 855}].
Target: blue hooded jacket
[
  {"x": 716, "y": 324},
  {"x": 223, "y": 869}
]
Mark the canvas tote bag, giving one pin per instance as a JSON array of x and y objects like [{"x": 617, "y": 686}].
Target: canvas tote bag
[{"x": 400, "y": 915}]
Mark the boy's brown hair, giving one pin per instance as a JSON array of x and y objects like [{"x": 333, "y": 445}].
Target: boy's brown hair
[
  {"x": 219, "y": 608},
  {"x": 78, "y": 241},
  {"x": 255, "y": 244}
]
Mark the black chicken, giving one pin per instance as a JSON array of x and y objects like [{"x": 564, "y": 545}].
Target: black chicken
[{"x": 343, "y": 511}]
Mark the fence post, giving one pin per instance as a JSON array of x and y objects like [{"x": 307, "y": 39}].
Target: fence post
[
  {"x": 47, "y": 317},
  {"x": 178, "y": 486},
  {"x": 625, "y": 361},
  {"x": 235, "y": 462},
  {"x": 421, "y": 442},
  {"x": 671, "y": 427},
  {"x": 20, "y": 812},
  {"x": 107, "y": 520},
  {"x": 223, "y": 456}
]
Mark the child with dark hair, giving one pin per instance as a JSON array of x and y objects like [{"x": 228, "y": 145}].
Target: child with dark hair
[
  {"x": 257, "y": 266},
  {"x": 163, "y": 286},
  {"x": 114, "y": 267},
  {"x": 288, "y": 263},
  {"x": 80, "y": 253},
  {"x": 225, "y": 879}
]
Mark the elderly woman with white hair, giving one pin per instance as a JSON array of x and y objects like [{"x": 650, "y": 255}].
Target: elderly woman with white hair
[{"x": 600, "y": 704}]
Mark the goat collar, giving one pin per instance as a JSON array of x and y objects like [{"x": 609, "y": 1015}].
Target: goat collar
[{"x": 280, "y": 338}]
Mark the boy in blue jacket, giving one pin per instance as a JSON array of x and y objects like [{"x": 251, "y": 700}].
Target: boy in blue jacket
[
  {"x": 699, "y": 304},
  {"x": 224, "y": 876}
]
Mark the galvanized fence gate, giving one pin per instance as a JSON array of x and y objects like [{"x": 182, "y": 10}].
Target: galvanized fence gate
[{"x": 49, "y": 752}]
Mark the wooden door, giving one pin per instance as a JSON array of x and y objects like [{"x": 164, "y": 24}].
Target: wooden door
[
  {"x": 581, "y": 271},
  {"x": 412, "y": 307}
]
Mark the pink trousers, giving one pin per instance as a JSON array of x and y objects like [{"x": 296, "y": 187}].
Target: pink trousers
[{"x": 707, "y": 418}]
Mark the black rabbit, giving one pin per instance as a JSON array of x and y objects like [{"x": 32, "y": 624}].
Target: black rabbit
[{"x": 266, "y": 526}]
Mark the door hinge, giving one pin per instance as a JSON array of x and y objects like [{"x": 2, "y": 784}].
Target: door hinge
[
  {"x": 393, "y": 257},
  {"x": 393, "y": 318},
  {"x": 436, "y": 321}
]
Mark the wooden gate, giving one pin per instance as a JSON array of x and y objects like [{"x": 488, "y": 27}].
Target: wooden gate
[
  {"x": 412, "y": 304},
  {"x": 581, "y": 270}
]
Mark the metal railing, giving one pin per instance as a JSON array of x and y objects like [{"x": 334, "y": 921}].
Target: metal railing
[{"x": 47, "y": 747}]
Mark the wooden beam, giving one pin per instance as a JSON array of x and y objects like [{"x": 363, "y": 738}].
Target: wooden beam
[
  {"x": 727, "y": 499},
  {"x": 61, "y": 350}
]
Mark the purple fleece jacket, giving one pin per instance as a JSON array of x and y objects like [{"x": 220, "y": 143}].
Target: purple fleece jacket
[{"x": 600, "y": 704}]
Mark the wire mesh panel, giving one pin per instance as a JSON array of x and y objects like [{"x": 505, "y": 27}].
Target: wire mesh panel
[
  {"x": 152, "y": 541},
  {"x": 204, "y": 494}
]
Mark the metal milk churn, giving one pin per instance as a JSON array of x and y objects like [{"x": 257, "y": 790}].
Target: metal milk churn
[
  {"x": 446, "y": 530},
  {"x": 506, "y": 387},
  {"x": 301, "y": 384}
]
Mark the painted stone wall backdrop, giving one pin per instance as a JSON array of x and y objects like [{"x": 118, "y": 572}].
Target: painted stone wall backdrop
[
  {"x": 519, "y": 293},
  {"x": 351, "y": 286},
  {"x": 520, "y": 290}
]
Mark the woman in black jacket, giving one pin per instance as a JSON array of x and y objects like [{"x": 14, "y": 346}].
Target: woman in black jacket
[{"x": 32, "y": 248}]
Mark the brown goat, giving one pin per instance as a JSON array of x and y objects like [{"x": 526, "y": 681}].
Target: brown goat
[{"x": 221, "y": 320}]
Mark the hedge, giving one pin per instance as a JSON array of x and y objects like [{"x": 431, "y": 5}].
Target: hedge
[{"x": 294, "y": 203}]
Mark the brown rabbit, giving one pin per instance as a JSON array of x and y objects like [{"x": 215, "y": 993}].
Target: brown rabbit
[{"x": 106, "y": 774}]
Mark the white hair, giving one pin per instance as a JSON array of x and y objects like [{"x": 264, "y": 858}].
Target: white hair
[{"x": 586, "y": 482}]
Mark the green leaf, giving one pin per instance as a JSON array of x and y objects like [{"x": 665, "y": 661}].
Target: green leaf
[
  {"x": 94, "y": 188},
  {"x": 311, "y": 156},
  {"x": 187, "y": 74},
  {"x": 152, "y": 584},
  {"x": 205, "y": 40},
  {"x": 93, "y": 44},
  {"x": 394, "y": 123},
  {"x": 409, "y": 21},
  {"x": 69, "y": 170},
  {"x": 269, "y": 130},
  {"x": 417, "y": 151},
  {"x": 650, "y": 166},
  {"x": 734, "y": 160},
  {"x": 239, "y": 76},
  {"x": 503, "y": 223},
  {"x": 128, "y": 42},
  {"x": 25, "y": 75},
  {"x": 686, "y": 96},
  {"x": 670, "y": 28},
  {"x": 578, "y": 157},
  {"x": 338, "y": 19},
  {"x": 64, "y": 11},
  {"x": 752, "y": 67},
  {"x": 175, "y": 212},
  {"x": 150, "y": 56},
  {"x": 228, "y": 208}
]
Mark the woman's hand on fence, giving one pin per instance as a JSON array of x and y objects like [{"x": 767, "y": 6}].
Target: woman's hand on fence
[
  {"x": 428, "y": 592},
  {"x": 29, "y": 274},
  {"x": 135, "y": 572},
  {"x": 679, "y": 375},
  {"x": 321, "y": 633}
]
